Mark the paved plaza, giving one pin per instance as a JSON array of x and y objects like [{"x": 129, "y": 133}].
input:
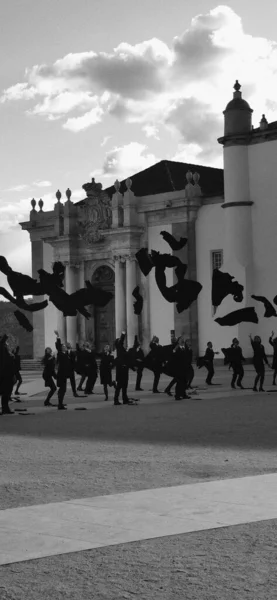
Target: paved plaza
[{"x": 161, "y": 500}]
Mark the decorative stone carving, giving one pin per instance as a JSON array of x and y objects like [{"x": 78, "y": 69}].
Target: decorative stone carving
[
  {"x": 124, "y": 257},
  {"x": 96, "y": 213},
  {"x": 103, "y": 274}
]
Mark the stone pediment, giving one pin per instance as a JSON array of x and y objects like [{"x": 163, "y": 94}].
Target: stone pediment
[{"x": 95, "y": 213}]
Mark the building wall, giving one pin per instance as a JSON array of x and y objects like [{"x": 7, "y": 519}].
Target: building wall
[
  {"x": 210, "y": 236},
  {"x": 161, "y": 311},
  {"x": 262, "y": 160},
  {"x": 50, "y": 313}
]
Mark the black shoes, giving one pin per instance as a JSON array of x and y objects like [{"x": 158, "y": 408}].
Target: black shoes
[
  {"x": 139, "y": 389},
  {"x": 117, "y": 403},
  {"x": 168, "y": 393},
  {"x": 48, "y": 403},
  {"x": 156, "y": 391},
  {"x": 62, "y": 407},
  {"x": 7, "y": 411},
  {"x": 76, "y": 395}
]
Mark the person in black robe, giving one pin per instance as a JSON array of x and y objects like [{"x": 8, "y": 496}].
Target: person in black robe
[
  {"x": 64, "y": 371},
  {"x": 137, "y": 356},
  {"x": 17, "y": 363},
  {"x": 122, "y": 362},
  {"x": 259, "y": 360},
  {"x": 208, "y": 360},
  {"x": 92, "y": 370},
  {"x": 155, "y": 358},
  {"x": 236, "y": 360},
  {"x": 169, "y": 368},
  {"x": 7, "y": 375},
  {"x": 273, "y": 342},
  {"x": 81, "y": 364},
  {"x": 72, "y": 358},
  {"x": 189, "y": 359},
  {"x": 181, "y": 371},
  {"x": 49, "y": 374},
  {"x": 106, "y": 367}
]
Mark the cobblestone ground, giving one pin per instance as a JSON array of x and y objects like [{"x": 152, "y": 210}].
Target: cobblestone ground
[{"x": 54, "y": 456}]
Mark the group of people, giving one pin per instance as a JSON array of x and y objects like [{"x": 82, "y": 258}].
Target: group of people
[{"x": 174, "y": 360}]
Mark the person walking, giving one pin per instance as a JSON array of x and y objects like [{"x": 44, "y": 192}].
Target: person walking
[
  {"x": 7, "y": 375},
  {"x": 273, "y": 342},
  {"x": 64, "y": 368},
  {"x": 122, "y": 362},
  {"x": 259, "y": 360},
  {"x": 181, "y": 371},
  {"x": 106, "y": 366},
  {"x": 17, "y": 364},
  {"x": 92, "y": 370},
  {"x": 72, "y": 357},
  {"x": 49, "y": 374},
  {"x": 155, "y": 356},
  {"x": 137, "y": 355},
  {"x": 236, "y": 360},
  {"x": 189, "y": 359},
  {"x": 208, "y": 361}
]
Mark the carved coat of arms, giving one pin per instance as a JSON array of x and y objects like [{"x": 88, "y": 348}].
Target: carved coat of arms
[{"x": 96, "y": 213}]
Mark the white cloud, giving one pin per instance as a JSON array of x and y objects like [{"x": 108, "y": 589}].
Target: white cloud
[
  {"x": 183, "y": 86},
  {"x": 90, "y": 118},
  {"x": 18, "y": 188},
  {"x": 125, "y": 160},
  {"x": 105, "y": 140},
  {"x": 151, "y": 131},
  {"x": 42, "y": 183}
]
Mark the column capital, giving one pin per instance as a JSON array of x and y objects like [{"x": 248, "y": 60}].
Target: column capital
[
  {"x": 72, "y": 264},
  {"x": 123, "y": 258}
]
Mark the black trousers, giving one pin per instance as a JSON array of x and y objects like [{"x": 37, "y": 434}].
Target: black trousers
[
  {"x": 260, "y": 370},
  {"x": 122, "y": 379},
  {"x": 171, "y": 384},
  {"x": 91, "y": 381},
  {"x": 18, "y": 381},
  {"x": 181, "y": 386},
  {"x": 157, "y": 375},
  {"x": 73, "y": 382},
  {"x": 83, "y": 377},
  {"x": 190, "y": 375},
  {"x": 139, "y": 377},
  {"x": 7, "y": 388},
  {"x": 53, "y": 388},
  {"x": 62, "y": 390},
  {"x": 210, "y": 369},
  {"x": 238, "y": 373}
]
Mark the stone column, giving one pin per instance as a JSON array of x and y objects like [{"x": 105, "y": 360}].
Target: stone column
[
  {"x": 71, "y": 322},
  {"x": 61, "y": 325},
  {"x": 81, "y": 322},
  {"x": 39, "y": 316},
  {"x": 145, "y": 315},
  {"x": 131, "y": 282},
  {"x": 120, "y": 298}
]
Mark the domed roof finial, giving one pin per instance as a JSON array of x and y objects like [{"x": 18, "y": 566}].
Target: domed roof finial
[{"x": 237, "y": 86}]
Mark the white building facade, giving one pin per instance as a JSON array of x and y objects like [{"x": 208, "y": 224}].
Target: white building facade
[{"x": 231, "y": 226}]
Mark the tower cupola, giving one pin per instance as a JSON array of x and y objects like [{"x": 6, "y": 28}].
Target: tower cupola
[{"x": 237, "y": 114}]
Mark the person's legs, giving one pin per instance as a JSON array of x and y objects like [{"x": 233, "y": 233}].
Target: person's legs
[
  {"x": 139, "y": 377},
  {"x": 210, "y": 374},
  {"x": 105, "y": 386},
  {"x": 235, "y": 374},
  {"x": 83, "y": 377},
  {"x": 73, "y": 383},
  {"x": 274, "y": 377},
  {"x": 61, "y": 392},
  {"x": 157, "y": 375},
  {"x": 240, "y": 376},
  {"x": 51, "y": 393},
  {"x": 124, "y": 388},
  {"x": 256, "y": 381},
  {"x": 18, "y": 381},
  {"x": 262, "y": 376},
  {"x": 170, "y": 386}
]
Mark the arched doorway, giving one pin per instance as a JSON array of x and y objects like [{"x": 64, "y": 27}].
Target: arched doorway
[{"x": 104, "y": 318}]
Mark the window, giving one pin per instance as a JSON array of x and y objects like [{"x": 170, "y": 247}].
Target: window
[
  {"x": 217, "y": 259},
  {"x": 216, "y": 263}
]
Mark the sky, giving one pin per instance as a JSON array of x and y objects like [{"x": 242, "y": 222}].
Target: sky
[{"x": 94, "y": 88}]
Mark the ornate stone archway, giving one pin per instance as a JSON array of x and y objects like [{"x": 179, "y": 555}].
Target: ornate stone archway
[{"x": 104, "y": 318}]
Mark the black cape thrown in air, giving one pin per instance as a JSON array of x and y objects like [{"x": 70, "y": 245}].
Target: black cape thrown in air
[
  {"x": 58, "y": 296},
  {"x": 58, "y": 272},
  {"x": 184, "y": 292},
  {"x": 173, "y": 243},
  {"x": 21, "y": 285},
  {"x": 23, "y": 321},
  {"x": 138, "y": 304},
  {"x": 223, "y": 285},
  {"x": 20, "y": 302},
  {"x": 269, "y": 309},
  {"x": 244, "y": 315},
  {"x": 96, "y": 296},
  {"x": 144, "y": 261}
]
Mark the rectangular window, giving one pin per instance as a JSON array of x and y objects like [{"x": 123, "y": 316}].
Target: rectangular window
[{"x": 216, "y": 263}]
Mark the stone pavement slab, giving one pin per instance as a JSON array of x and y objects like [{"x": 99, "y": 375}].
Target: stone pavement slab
[{"x": 59, "y": 528}]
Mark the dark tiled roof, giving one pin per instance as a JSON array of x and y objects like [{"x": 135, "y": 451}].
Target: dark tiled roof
[
  {"x": 170, "y": 176},
  {"x": 270, "y": 127}
]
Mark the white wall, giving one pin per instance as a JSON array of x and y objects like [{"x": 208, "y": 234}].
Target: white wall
[
  {"x": 50, "y": 313},
  {"x": 263, "y": 192},
  {"x": 210, "y": 235},
  {"x": 161, "y": 311}
]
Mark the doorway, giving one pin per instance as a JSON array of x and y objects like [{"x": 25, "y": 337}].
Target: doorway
[{"x": 104, "y": 317}]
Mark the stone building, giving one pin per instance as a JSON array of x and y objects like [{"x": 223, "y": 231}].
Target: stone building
[{"x": 228, "y": 217}]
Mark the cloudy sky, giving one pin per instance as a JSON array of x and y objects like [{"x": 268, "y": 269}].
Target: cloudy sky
[{"x": 105, "y": 89}]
